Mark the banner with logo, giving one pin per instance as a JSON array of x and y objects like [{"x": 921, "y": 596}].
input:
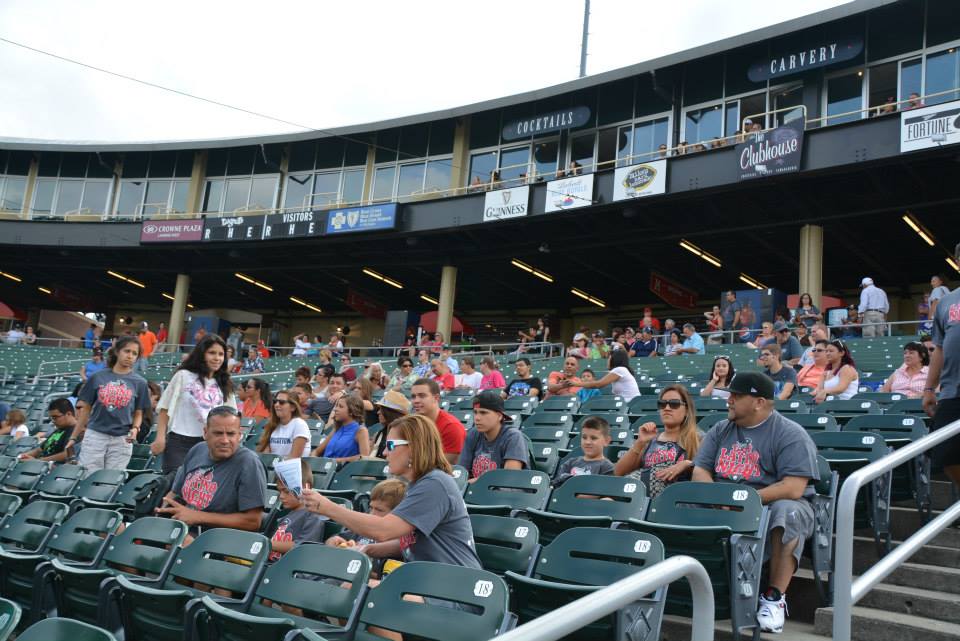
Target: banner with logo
[
  {"x": 232, "y": 228},
  {"x": 638, "y": 181},
  {"x": 930, "y": 126},
  {"x": 506, "y": 203},
  {"x": 297, "y": 224},
  {"x": 569, "y": 193},
  {"x": 771, "y": 152},
  {"x": 672, "y": 293},
  {"x": 360, "y": 302},
  {"x": 354, "y": 219},
  {"x": 171, "y": 231},
  {"x": 546, "y": 123}
]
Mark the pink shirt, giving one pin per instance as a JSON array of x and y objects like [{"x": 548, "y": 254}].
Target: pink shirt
[
  {"x": 493, "y": 380},
  {"x": 912, "y": 386}
]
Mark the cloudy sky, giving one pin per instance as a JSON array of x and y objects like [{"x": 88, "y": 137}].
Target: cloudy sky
[{"x": 319, "y": 64}]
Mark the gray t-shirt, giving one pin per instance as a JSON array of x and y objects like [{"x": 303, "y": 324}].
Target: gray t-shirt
[
  {"x": 729, "y": 311},
  {"x": 946, "y": 336},
  {"x": 579, "y": 466},
  {"x": 299, "y": 526},
  {"x": 113, "y": 398},
  {"x": 790, "y": 350},
  {"x": 442, "y": 532},
  {"x": 480, "y": 455},
  {"x": 786, "y": 375},
  {"x": 659, "y": 455},
  {"x": 759, "y": 456},
  {"x": 235, "y": 485}
]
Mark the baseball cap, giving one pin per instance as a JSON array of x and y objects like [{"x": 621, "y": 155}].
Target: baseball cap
[
  {"x": 646, "y": 329},
  {"x": 752, "y": 383},
  {"x": 866, "y": 281},
  {"x": 395, "y": 401},
  {"x": 489, "y": 400},
  {"x": 780, "y": 326}
]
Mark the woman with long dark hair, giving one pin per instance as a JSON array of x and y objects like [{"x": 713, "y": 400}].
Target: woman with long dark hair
[
  {"x": 200, "y": 384},
  {"x": 806, "y": 312},
  {"x": 114, "y": 400},
  {"x": 620, "y": 377},
  {"x": 720, "y": 376},
  {"x": 349, "y": 440},
  {"x": 840, "y": 378},
  {"x": 286, "y": 433},
  {"x": 256, "y": 398}
]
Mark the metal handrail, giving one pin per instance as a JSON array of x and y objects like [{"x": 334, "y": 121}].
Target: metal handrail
[
  {"x": 586, "y": 610},
  {"x": 846, "y": 591}
]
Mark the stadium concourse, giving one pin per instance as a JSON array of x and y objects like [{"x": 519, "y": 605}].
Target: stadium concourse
[{"x": 519, "y": 245}]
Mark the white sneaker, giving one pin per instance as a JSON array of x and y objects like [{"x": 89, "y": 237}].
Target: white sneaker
[{"x": 771, "y": 614}]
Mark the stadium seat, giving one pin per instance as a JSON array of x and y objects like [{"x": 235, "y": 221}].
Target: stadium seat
[
  {"x": 841, "y": 409},
  {"x": 549, "y": 419},
  {"x": 97, "y": 490},
  {"x": 815, "y": 422},
  {"x": 59, "y": 482},
  {"x": 9, "y": 504},
  {"x": 460, "y": 476},
  {"x": 309, "y": 578},
  {"x": 555, "y": 435},
  {"x": 323, "y": 469},
  {"x": 603, "y": 405},
  {"x": 221, "y": 558},
  {"x": 578, "y": 503},
  {"x": 21, "y": 445},
  {"x": 357, "y": 477},
  {"x": 24, "y": 477},
  {"x": 523, "y": 405},
  {"x": 6, "y": 462},
  {"x": 504, "y": 543},
  {"x": 907, "y": 406},
  {"x": 643, "y": 405},
  {"x": 820, "y": 546},
  {"x": 559, "y": 404},
  {"x": 502, "y": 492},
  {"x": 60, "y": 628},
  {"x": 615, "y": 421},
  {"x": 140, "y": 459},
  {"x": 707, "y": 421},
  {"x": 792, "y": 405},
  {"x": 723, "y": 526},
  {"x": 705, "y": 405},
  {"x": 583, "y": 560},
  {"x": 9, "y": 618}
]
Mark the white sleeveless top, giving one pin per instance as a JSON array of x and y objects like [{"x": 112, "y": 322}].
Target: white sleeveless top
[{"x": 851, "y": 390}]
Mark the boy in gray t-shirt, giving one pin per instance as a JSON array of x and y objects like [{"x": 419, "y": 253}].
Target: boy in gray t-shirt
[
  {"x": 594, "y": 436},
  {"x": 492, "y": 443}
]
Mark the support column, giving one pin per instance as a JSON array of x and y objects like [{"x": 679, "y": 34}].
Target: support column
[
  {"x": 180, "y": 296},
  {"x": 198, "y": 181},
  {"x": 460, "y": 174},
  {"x": 448, "y": 294},
  {"x": 811, "y": 262}
]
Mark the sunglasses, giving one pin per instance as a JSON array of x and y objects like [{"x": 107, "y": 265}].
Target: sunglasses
[
  {"x": 673, "y": 403},
  {"x": 281, "y": 401},
  {"x": 818, "y": 349},
  {"x": 395, "y": 443}
]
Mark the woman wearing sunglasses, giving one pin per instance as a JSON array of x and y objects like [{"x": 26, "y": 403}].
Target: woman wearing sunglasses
[
  {"x": 840, "y": 378},
  {"x": 661, "y": 459},
  {"x": 286, "y": 433},
  {"x": 431, "y": 522},
  {"x": 720, "y": 376}
]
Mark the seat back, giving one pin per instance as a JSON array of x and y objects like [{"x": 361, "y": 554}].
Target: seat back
[
  {"x": 63, "y": 628},
  {"x": 907, "y": 406},
  {"x": 25, "y": 475},
  {"x": 9, "y": 618},
  {"x": 558, "y": 436},
  {"x": 559, "y": 404},
  {"x": 29, "y": 528},
  {"x": 850, "y": 406},
  {"x": 734, "y": 506},
  {"x": 708, "y": 404},
  {"x": 896, "y": 429},
  {"x": 222, "y": 558},
  {"x": 21, "y": 445},
  {"x": 597, "y": 556},
  {"x": 460, "y": 476},
  {"x": 815, "y": 422},
  {"x": 6, "y": 462},
  {"x": 706, "y": 423},
  {"x": 140, "y": 457},
  {"x": 61, "y": 480},
  {"x": 484, "y": 591},
  {"x": 517, "y": 489},
  {"x": 643, "y": 404},
  {"x": 584, "y": 496},
  {"x": 792, "y": 405},
  {"x": 504, "y": 543},
  {"x": 323, "y": 470},
  {"x": 603, "y": 405},
  {"x": 850, "y": 446},
  {"x": 101, "y": 486},
  {"x": 543, "y": 418},
  {"x": 524, "y": 405},
  {"x": 83, "y": 535},
  {"x": 145, "y": 546},
  {"x": 359, "y": 476},
  {"x": 9, "y": 504},
  {"x": 126, "y": 496}
]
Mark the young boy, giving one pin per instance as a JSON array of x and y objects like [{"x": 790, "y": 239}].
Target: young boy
[
  {"x": 299, "y": 525},
  {"x": 384, "y": 496},
  {"x": 64, "y": 419},
  {"x": 491, "y": 445},
  {"x": 594, "y": 436},
  {"x": 585, "y": 394}
]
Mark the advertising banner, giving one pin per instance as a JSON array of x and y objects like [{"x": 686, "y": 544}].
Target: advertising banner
[
  {"x": 771, "y": 152},
  {"x": 354, "y": 219},
  {"x": 232, "y": 228},
  {"x": 638, "y": 181},
  {"x": 506, "y": 203},
  {"x": 171, "y": 231},
  {"x": 297, "y": 224},
  {"x": 546, "y": 123},
  {"x": 672, "y": 293},
  {"x": 569, "y": 193},
  {"x": 930, "y": 126}
]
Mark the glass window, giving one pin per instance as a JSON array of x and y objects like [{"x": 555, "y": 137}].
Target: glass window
[
  {"x": 302, "y": 156},
  {"x": 102, "y": 165},
  {"x": 352, "y": 186},
  {"x": 19, "y": 163},
  {"x": 387, "y": 143},
  {"x": 701, "y": 125},
  {"x": 95, "y": 194},
  {"x": 217, "y": 162},
  {"x": 438, "y": 174},
  {"x": 411, "y": 179},
  {"x": 624, "y": 146},
  {"x": 211, "y": 201},
  {"x": 297, "y": 193},
  {"x": 791, "y": 97},
  {"x": 263, "y": 193},
  {"x": 13, "y": 194},
  {"x": 162, "y": 164},
  {"x": 732, "y": 117},
  {"x": 135, "y": 165},
  {"x": 844, "y": 95},
  {"x": 413, "y": 142},
  {"x": 545, "y": 156},
  {"x": 235, "y": 195},
  {"x": 131, "y": 196},
  {"x": 883, "y": 86},
  {"x": 49, "y": 164},
  {"x": 158, "y": 196},
  {"x": 738, "y": 62},
  {"x": 943, "y": 73},
  {"x": 942, "y": 23},
  {"x": 326, "y": 189},
  {"x": 441, "y": 137},
  {"x": 606, "y": 148},
  {"x": 330, "y": 153},
  {"x": 514, "y": 164},
  {"x": 581, "y": 151},
  {"x": 482, "y": 166},
  {"x": 383, "y": 179},
  {"x": 355, "y": 153},
  {"x": 181, "y": 188},
  {"x": 68, "y": 197},
  {"x": 703, "y": 81},
  {"x": 653, "y": 97},
  {"x": 485, "y": 130},
  {"x": 43, "y": 196},
  {"x": 911, "y": 78},
  {"x": 750, "y": 106},
  {"x": 266, "y": 160},
  {"x": 74, "y": 165},
  {"x": 647, "y": 138},
  {"x": 240, "y": 162},
  {"x": 616, "y": 102}
]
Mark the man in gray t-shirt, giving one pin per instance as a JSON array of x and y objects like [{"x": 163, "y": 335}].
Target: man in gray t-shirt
[
  {"x": 220, "y": 484},
  {"x": 760, "y": 448},
  {"x": 784, "y": 377},
  {"x": 491, "y": 444},
  {"x": 945, "y": 372},
  {"x": 790, "y": 348}
]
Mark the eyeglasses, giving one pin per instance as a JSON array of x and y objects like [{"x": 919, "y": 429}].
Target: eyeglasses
[
  {"x": 673, "y": 403},
  {"x": 281, "y": 401},
  {"x": 765, "y": 355},
  {"x": 394, "y": 444},
  {"x": 818, "y": 349}
]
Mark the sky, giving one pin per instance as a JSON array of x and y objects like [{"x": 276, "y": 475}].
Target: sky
[{"x": 320, "y": 64}]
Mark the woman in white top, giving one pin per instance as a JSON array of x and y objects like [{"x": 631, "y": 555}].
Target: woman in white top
[
  {"x": 620, "y": 377},
  {"x": 286, "y": 434},
  {"x": 300, "y": 345},
  {"x": 720, "y": 376},
  {"x": 840, "y": 378},
  {"x": 201, "y": 383}
]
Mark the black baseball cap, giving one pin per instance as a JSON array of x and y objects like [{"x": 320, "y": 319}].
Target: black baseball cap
[
  {"x": 489, "y": 400},
  {"x": 752, "y": 383}
]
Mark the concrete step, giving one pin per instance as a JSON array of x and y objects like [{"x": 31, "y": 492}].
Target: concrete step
[
  {"x": 926, "y": 577},
  {"x": 942, "y": 606},
  {"x": 678, "y": 629},
  {"x": 904, "y": 521},
  {"x": 941, "y": 496},
  {"x": 865, "y": 555},
  {"x": 870, "y": 624}
]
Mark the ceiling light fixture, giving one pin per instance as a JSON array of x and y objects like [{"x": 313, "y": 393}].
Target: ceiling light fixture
[
  {"x": 381, "y": 277},
  {"x": 587, "y": 297},
  {"x": 690, "y": 247},
  {"x": 753, "y": 282},
  {"x": 11, "y": 277},
  {"x": 531, "y": 270},
  {"x": 253, "y": 282},
  {"x": 126, "y": 279},
  {"x": 429, "y": 299},
  {"x": 917, "y": 227},
  {"x": 45, "y": 290},
  {"x": 306, "y": 304},
  {"x": 953, "y": 264}
]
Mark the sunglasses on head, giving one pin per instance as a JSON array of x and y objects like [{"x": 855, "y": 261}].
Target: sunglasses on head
[
  {"x": 395, "y": 443},
  {"x": 673, "y": 403}
]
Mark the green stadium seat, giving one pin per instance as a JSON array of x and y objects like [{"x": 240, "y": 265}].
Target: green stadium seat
[
  {"x": 523, "y": 405},
  {"x": 549, "y": 419},
  {"x": 21, "y": 445},
  {"x": 578, "y": 503},
  {"x": 221, "y": 558},
  {"x": 792, "y": 405},
  {"x": 23, "y": 479},
  {"x": 60, "y": 482},
  {"x": 504, "y": 543},
  {"x": 9, "y": 504},
  {"x": 907, "y": 406},
  {"x": 615, "y": 421},
  {"x": 308, "y": 577},
  {"x": 583, "y": 560},
  {"x": 323, "y": 469},
  {"x": 60, "y": 628},
  {"x": 643, "y": 405},
  {"x": 558, "y": 436},
  {"x": 881, "y": 398},
  {"x": 97, "y": 490},
  {"x": 815, "y": 422},
  {"x": 820, "y": 546},
  {"x": 9, "y": 618},
  {"x": 707, "y": 421},
  {"x": 603, "y": 405},
  {"x": 460, "y": 476},
  {"x": 850, "y": 407},
  {"x": 560, "y": 404},
  {"x": 357, "y": 477},
  {"x": 722, "y": 525},
  {"x": 502, "y": 492}
]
